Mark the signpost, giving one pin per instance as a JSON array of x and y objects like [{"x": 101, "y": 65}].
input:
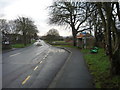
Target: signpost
[{"x": 84, "y": 33}]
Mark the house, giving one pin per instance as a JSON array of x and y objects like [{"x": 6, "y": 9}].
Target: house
[{"x": 14, "y": 38}]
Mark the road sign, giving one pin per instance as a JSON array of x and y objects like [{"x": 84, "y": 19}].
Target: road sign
[{"x": 84, "y": 33}]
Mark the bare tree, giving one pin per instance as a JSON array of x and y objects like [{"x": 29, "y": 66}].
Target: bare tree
[
  {"x": 111, "y": 34},
  {"x": 71, "y": 13},
  {"x": 53, "y": 32},
  {"x": 4, "y": 26},
  {"x": 52, "y": 35},
  {"x": 27, "y": 27},
  {"x": 12, "y": 27}
]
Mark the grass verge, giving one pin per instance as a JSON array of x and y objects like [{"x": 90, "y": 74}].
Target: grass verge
[
  {"x": 21, "y": 45},
  {"x": 18, "y": 46},
  {"x": 99, "y": 67},
  {"x": 70, "y": 46},
  {"x": 58, "y": 42}
]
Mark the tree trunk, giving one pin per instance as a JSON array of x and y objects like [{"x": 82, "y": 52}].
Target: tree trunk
[
  {"x": 24, "y": 38},
  {"x": 104, "y": 25},
  {"x": 74, "y": 33},
  {"x": 115, "y": 67},
  {"x": 74, "y": 40},
  {"x": 109, "y": 35},
  {"x": 114, "y": 53}
]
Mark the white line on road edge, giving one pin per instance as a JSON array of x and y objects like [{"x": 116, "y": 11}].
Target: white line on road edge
[
  {"x": 14, "y": 54},
  {"x": 35, "y": 68},
  {"x": 28, "y": 77}
]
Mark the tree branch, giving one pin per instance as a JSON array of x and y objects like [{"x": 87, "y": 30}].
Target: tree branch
[{"x": 83, "y": 30}]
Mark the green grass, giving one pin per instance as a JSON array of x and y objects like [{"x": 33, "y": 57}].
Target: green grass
[
  {"x": 99, "y": 67},
  {"x": 18, "y": 46},
  {"x": 62, "y": 42},
  {"x": 22, "y": 45},
  {"x": 33, "y": 41},
  {"x": 70, "y": 46},
  {"x": 58, "y": 42}
]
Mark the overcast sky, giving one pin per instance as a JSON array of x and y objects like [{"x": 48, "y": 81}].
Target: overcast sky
[{"x": 35, "y": 9}]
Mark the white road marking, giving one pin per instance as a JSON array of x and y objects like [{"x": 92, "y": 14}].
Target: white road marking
[
  {"x": 28, "y": 77},
  {"x": 40, "y": 61},
  {"x": 14, "y": 54},
  {"x": 35, "y": 68},
  {"x": 48, "y": 51},
  {"x": 46, "y": 55},
  {"x": 37, "y": 53},
  {"x": 44, "y": 58}
]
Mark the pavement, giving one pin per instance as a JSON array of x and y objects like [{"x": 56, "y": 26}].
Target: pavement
[{"x": 74, "y": 73}]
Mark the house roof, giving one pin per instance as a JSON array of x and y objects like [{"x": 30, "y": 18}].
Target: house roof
[
  {"x": 84, "y": 35},
  {"x": 80, "y": 35}
]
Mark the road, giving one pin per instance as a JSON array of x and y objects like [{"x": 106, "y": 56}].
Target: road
[{"x": 32, "y": 67}]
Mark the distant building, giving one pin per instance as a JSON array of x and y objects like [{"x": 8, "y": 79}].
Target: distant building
[
  {"x": 5, "y": 42},
  {"x": 15, "y": 38},
  {"x": 85, "y": 40},
  {"x": 8, "y": 39}
]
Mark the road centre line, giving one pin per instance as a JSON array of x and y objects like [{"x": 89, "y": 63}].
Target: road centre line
[
  {"x": 44, "y": 58},
  {"x": 28, "y": 77},
  {"x": 37, "y": 53},
  {"x": 15, "y": 54},
  {"x": 40, "y": 61},
  {"x": 35, "y": 68},
  {"x": 46, "y": 55}
]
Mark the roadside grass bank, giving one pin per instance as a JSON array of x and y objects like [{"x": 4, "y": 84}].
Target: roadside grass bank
[
  {"x": 21, "y": 45},
  {"x": 99, "y": 67},
  {"x": 58, "y": 42},
  {"x": 70, "y": 46},
  {"x": 17, "y": 45}
]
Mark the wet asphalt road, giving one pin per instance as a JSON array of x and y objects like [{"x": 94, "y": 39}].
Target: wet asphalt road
[{"x": 32, "y": 67}]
